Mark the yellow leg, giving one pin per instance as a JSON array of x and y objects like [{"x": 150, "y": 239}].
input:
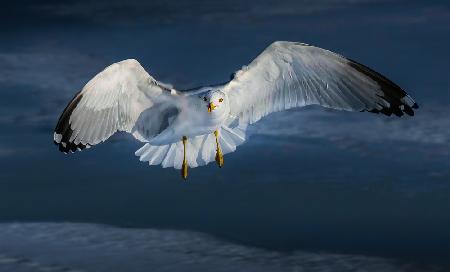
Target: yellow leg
[
  {"x": 219, "y": 155},
  {"x": 184, "y": 167}
]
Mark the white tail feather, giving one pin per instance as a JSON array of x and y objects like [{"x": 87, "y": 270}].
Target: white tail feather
[{"x": 200, "y": 150}]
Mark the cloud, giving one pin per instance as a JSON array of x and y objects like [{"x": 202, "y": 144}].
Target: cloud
[
  {"x": 35, "y": 80},
  {"x": 6, "y": 152},
  {"x": 428, "y": 127},
  {"x": 435, "y": 14},
  {"x": 88, "y": 247},
  {"x": 170, "y": 12},
  {"x": 167, "y": 12},
  {"x": 46, "y": 67}
]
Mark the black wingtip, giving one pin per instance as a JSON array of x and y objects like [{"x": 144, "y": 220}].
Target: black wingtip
[
  {"x": 408, "y": 110},
  {"x": 69, "y": 147},
  {"x": 398, "y": 101},
  {"x": 63, "y": 131}
]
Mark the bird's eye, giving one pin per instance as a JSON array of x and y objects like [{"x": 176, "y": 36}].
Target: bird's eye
[
  {"x": 204, "y": 98},
  {"x": 220, "y": 99}
]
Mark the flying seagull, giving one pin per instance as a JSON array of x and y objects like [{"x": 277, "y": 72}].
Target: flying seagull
[{"x": 184, "y": 129}]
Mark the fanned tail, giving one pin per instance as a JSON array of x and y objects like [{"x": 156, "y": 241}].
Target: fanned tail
[{"x": 200, "y": 150}]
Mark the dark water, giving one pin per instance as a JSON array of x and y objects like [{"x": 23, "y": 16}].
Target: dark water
[{"x": 308, "y": 180}]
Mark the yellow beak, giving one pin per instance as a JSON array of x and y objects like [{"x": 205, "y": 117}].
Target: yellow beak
[{"x": 211, "y": 106}]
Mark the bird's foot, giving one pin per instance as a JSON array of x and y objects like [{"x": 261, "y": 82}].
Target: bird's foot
[
  {"x": 219, "y": 155},
  {"x": 184, "y": 170},
  {"x": 219, "y": 158},
  {"x": 184, "y": 166}
]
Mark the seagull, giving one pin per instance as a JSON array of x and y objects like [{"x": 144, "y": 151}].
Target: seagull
[{"x": 186, "y": 129}]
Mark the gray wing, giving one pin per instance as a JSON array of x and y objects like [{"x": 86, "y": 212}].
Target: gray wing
[
  {"x": 289, "y": 74},
  {"x": 123, "y": 97}
]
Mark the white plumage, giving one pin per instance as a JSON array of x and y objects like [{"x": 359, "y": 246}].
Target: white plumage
[{"x": 124, "y": 97}]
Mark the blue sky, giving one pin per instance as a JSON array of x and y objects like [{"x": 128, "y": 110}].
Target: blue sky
[{"x": 307, "y": 179}]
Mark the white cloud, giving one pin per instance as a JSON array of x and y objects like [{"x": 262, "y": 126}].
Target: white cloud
[
  {"x": 430, "y": 125},
  {"x": 87, "y": 247}
]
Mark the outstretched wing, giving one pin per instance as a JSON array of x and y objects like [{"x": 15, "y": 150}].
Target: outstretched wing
[
  {"x": 123, "y": 97},
  {"x": 289, "y": 74}
]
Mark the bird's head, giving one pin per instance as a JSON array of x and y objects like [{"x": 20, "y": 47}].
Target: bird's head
[{"x": 215, "y": 101}]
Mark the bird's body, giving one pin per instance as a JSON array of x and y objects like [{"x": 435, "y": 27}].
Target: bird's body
[
  {"x": 194, "y": 119},
  {"x": 195, "y": 127}
]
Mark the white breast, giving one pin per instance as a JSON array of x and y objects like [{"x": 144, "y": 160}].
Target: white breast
[{"x": 193, "y": 120}]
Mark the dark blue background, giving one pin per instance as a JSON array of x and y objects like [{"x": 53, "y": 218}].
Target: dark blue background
[{"x": 307, "y": 179}]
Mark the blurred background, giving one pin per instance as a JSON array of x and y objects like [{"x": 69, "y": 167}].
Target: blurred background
[{"x": 311, "y": 190}]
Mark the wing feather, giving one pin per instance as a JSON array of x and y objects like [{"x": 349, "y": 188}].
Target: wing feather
[
  {"x": 289, "y": 74},
  {"x": 112, "y": 101}
]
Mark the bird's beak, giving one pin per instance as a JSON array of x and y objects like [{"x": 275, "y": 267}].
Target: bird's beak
[{"x": 211, "y": 106}]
